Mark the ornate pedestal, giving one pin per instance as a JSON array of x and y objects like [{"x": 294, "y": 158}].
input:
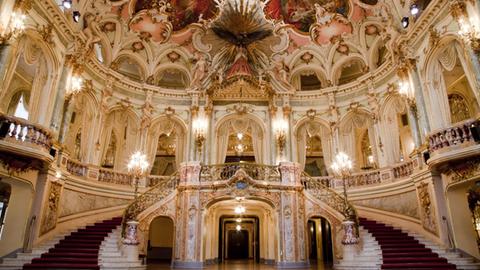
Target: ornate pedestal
[
  {"x": 350, "y": 240},
  {"x": 130, "y": 242}
]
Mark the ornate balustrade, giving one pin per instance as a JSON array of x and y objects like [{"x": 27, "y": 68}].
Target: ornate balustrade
[
  {"x": 459, "y": 134},
  {"x": 77, "y": 168},
  {"x": 222, "y": 172},
  {"x": 155, "y": 194},
  {"x": 153, "y": 180},
  {"x": 364, "y": 178},
  {"x": 110, "y": 176},
  {"x": 404, "y": 170},
  {"x": 327, "y": 195},
  {"x": 25, "y": 141},
  {"x": 20, "y": 130}
]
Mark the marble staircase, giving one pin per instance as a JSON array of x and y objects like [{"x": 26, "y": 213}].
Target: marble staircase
[
  {"x": 111, "y": 256},
  {"x": 367, "y": 255},
  {"x": 27, "y": 257}
]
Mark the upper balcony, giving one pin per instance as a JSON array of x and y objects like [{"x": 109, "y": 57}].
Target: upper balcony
[
  {"x": 462, "y": 140},
  {"x": 23, "y": 144}
]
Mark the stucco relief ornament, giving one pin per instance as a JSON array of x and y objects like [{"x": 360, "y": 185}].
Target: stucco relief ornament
[
  {"x": 147, "y": 111},
  {"x": 281, "y": 72},
  {"x": 426, "y": 204}
]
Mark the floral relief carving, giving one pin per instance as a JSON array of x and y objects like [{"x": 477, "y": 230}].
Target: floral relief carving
[
  {"x": 427, "y": 207},
  {"x": 49, "y": 220}
]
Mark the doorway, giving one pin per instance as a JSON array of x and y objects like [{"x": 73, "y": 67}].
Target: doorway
[
  {"x": 320, "y": 241},
  {"x": 160, "y": 241},
  {"x": 239, "y": 238}
]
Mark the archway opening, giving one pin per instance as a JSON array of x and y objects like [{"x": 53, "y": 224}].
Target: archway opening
[
  {"x": 320, "y": 241},
  {"x": 160, "y": 241},
  {"x": 240, "y": 237}
]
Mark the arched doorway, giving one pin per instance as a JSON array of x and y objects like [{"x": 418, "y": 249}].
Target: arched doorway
[
  {"x": 320, "y": 241},
  {"x": 240, "y": 237},
  {"x": 160, "y": 241}
]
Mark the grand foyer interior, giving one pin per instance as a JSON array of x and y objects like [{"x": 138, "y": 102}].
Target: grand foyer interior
[{"x": 239, "y": 133}]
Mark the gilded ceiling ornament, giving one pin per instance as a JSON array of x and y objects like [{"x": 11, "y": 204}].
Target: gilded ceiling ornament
[
  {"x": 137, "y": 46},
  {"x": 371, "y": 30},
  {"x": 173, "y": 56},
  {"x": 307, "y": 57},
  {"x": 109, "y": 27},
  {"x": 311, "y": 113},
  {"x": 46, "y": 32}
]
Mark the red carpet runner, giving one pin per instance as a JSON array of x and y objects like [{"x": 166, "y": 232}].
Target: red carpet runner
[
  {"x": 402, "y": 251},
  {"x": 79, "y": 250}
]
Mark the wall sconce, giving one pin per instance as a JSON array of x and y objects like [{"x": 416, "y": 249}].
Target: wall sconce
[
  {"x": 16, "y": 27},
  {"x": 199, "y": 126},
  {"x": 406, "y": 91},
  {"x": 280, "y": 128}
]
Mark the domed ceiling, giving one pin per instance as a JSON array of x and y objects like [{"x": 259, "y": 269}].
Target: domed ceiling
[{"x": 209, "y": 42}]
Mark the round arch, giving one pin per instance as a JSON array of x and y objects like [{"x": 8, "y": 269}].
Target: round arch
[{"x": 259, "y": 135}]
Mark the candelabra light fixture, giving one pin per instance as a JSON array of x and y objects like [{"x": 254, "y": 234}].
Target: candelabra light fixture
[
  {"x": 199, "y": 126},
  {"x": 342, "y": 166},
  {"x": 15, "y": 28},
  {"x": 137, "y": 166},
  {"x": 280, "y": 128},
  {"x": 76, "y": 84},
  {"x": 406, "y": 91}
]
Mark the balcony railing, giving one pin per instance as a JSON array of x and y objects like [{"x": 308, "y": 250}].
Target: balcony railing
[
  {"x": 459, "y": 134},
  {"x": 77, "y": 168},
  {"x": 222, "y": 172},
  {"x": 22, "y": 132},
  {"x": 114, "y": 177}
]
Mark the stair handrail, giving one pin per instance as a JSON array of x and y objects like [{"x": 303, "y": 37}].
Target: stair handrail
[
  {"x": 148, "y": 198},
  {"x": 329, "y": 196},
  {"x": 225, "y": 171}
]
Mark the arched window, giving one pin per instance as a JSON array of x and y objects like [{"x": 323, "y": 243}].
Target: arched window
[
  {"x": 5, "y": 191},
  {"x": 314, "y": 161},
  {"x": 164, "y": 163},
  {"x": 172, "y": 79},
  {"x": 350, "y": 71},
  {"x": 367, "y": 159}
]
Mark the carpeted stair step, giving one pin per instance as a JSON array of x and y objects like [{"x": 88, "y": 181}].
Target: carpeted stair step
[
  {"x": 69, "y": 255},
  {"x": 411, "y": 266},
  {"x": 402, "y": 251},
  {"x": 53, "y": 266},
  {"x": 79, "y": 250}
]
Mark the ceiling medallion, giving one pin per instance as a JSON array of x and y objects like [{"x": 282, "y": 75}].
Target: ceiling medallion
[
  {"x": 109, "y": 27},
  {"x": 173, "y": 56},
  {"x": 137, "y": 46},
  {"x": 307, "y": 57},
  {"x": 371, "y": 30}
]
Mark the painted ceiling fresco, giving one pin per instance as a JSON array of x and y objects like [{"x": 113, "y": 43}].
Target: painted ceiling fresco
[{"x": 181, "y": 13}]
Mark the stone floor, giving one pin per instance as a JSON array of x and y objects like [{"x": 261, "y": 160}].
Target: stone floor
[{"x": 237, "y": 265}]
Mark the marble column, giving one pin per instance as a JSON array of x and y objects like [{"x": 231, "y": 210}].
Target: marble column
[
  {"x": 39, "y": 202},
  {"x": 6, "y": 52},
  {"x": 68, "y": 108},
  {"x": 423, "y": 124},
  {"x": 291, "y": 222},
  {"x": 188, "y": 230},
  {"x": 57, "y": 115},
  {"x": 414, "y": 126}
]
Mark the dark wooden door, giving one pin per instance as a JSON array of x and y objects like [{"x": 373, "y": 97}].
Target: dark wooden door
[{"x": 238, "y": 244}]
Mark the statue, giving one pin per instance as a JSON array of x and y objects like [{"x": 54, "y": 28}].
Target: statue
[
  {"x": 322, "y": 16},
  {"x": 199, "y": 71},
  {"x": 91, "y": 30},
  {"x": 147, "y": 110},
  {"x": 281, "y": 72}
]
